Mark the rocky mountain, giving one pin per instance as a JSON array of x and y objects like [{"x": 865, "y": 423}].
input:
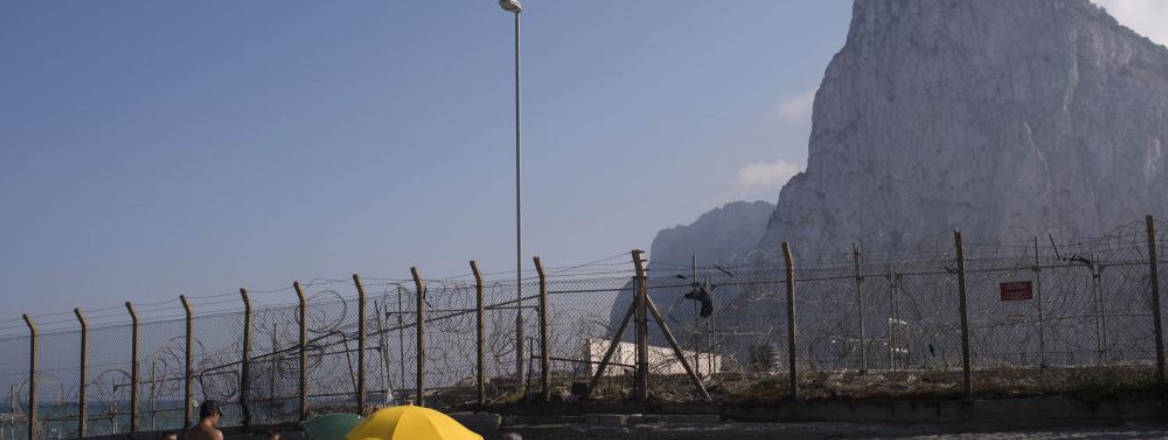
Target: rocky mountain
[
  {"x": 1004, "y": 118},
  {"x": 718, "y": 236},
  {"x": 723, "y": 236},
  {"x": 1000, "y": 117}
]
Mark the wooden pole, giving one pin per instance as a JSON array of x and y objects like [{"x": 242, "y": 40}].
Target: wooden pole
[
  {"x": 966, "y": 372},
  {"x": 134, "y": 377},
  {"x": 82, "y": 375},
  {"x": 420, "y": 341},
  {"x": 860, "y": 309},
  {"x": 892, "y": 314},
  {"x": 480, "y": 338},
  {"x": 544, "y": 361},
  {"x": 1154, "y": 271},
  {"x": 360, "y": 345},
  {"x": 273, "y": 372},
  {"x": 642, "y": 335},
  {"x": 32, "y": 379},
  {"x": 616, "y": 337},
  {"x": 303, "y": 352},
  {"x": 791, "y": 329},
  {"x": 188, "y": 362},
  {"x": 697, "y": 381},
  {"x": 401, "y": 342},
  {"x": 1038, "y": 296},
  {"x": 245, "y": 367}
]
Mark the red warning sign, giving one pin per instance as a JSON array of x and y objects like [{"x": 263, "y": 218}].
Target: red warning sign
[{"x": 1016, "y": 291}]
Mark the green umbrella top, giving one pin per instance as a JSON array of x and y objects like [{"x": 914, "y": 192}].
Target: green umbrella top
[{"x": 330, "y": 426}]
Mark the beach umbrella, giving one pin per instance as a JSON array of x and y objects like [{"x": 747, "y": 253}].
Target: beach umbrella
[
  {"x": 330, "y": 426},
  {"x": 410, "y": 423}
]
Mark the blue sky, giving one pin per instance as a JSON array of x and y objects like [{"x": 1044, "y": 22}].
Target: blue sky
[{"x": 150, "y": 149}]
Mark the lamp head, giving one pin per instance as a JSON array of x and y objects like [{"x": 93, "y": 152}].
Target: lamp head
[{"x": 511, "y": 6}]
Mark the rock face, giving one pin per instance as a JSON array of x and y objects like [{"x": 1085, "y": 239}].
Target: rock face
[
  {"x": 1000, "y": 117},
  {"x": 722, "y": 236},
  {"x": 717, "y": 237}
]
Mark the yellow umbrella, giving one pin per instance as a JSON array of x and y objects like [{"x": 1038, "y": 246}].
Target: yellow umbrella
[{"x": 410, "y": 423}]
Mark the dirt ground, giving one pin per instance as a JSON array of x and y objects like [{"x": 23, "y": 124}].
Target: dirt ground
[
  {"x": 1111, "y": 432},
  {"x": 833, "y": 430}
]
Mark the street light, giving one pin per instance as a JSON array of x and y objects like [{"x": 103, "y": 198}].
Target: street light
[
  {"x": 511, "y": 5},
  {"x": 515, "y": 7}
]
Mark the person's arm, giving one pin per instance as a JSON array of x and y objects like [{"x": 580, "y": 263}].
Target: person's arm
[{"x": 217, "y": 435}]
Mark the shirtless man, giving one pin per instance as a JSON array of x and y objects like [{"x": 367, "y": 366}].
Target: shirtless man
[{"x": 209, "y": 415}]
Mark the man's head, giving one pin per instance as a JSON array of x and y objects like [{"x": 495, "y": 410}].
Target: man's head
[
  {"x": 170, "y": 435},
  {"x": 210, "y": 410}
]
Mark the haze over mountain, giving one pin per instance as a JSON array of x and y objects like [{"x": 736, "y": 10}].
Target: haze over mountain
[{"x": 725, "y": 234}]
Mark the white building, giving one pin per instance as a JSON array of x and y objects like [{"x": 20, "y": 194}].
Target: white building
[{"x": 662, "y": 360}]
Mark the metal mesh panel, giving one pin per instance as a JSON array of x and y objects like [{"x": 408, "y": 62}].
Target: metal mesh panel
[
  {"x": 501, "y": 336},
  {"x": 1070, "y": 336},
  {"x": 332, "y": 355},
  {"x": 450, "y": 342},
  {"x": 876, "y": 296},
  {"x": 161, "y": 354},
  {"x": 924, "y": 317},
  {"x": 827, "y": 320},
  {"x": 14, "y": 383},
  {"x": 217, "y": 359},
  {"x": 275, "y": 367},
  {"x": 580, "y": 332},
  {"x": 398, "y": 338},
  {"x": 109, "y": 383},
  {"x": 382, "y": 357},
  {"x": 1005, "y": 328},
  {"x": 57, "y": 383}
]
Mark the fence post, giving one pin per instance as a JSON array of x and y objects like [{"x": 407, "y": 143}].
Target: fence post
[
  {"x": 245, "y": 367},
  {"x": 544, "y": 363},
  {"x": 1154, "y": 270},
  {"x": 302, "y": 348},
  {"x": 967, "y": 379},
  {"x": 360, "y": 345},
  {"x": 420, "y": 332},
  {"x": 860, "y": 309},
  {"x": 892, "y": 314},
  {"x": 133, "y": 367},
  {"x": 791, "y": 329},
  {"x": 642, "y": 336},
  {"x": 677, "y": 349},
  {"x": 82, "y": 374},
  {"x": 480, "y": 337},
  {"x": 32, "y": 382},
  {"x": 1038, "y": 295},
  {"x": 188, "y": 374}
]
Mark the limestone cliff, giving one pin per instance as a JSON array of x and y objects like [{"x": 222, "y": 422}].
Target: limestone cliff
[{"x": 1000, "y": 117}]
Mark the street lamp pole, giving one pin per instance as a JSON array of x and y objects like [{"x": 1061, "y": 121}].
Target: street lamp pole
[{"x": 514, "y": 7}]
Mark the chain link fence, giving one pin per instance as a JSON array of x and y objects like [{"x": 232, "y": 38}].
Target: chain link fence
[{"x": 1038, "y": 317}]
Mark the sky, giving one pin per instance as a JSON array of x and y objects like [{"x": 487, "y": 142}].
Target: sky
[{"x": 152, "y": 149}]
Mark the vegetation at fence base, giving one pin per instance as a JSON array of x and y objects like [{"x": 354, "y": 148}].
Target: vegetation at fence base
[
  {"x": 1103, "y": 383},
  {"x": 1088, "y": 384}
]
